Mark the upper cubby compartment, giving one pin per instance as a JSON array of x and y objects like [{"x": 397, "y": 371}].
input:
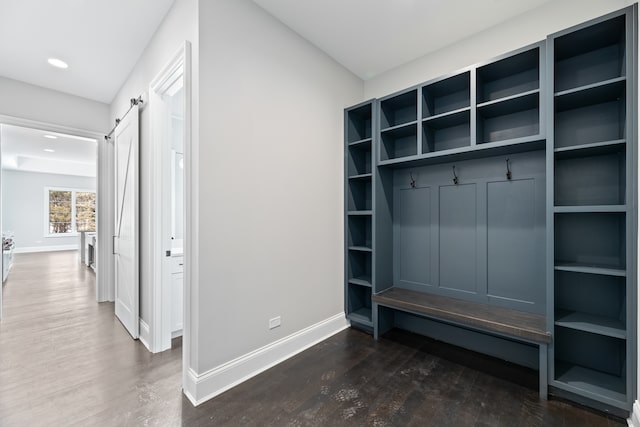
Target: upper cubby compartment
[
  {"x": 447, "y": 95},
  {"x": 516, "y": 117},
  {"x": 591, "y": 55},
  {"x": 359, "y": 126},
  {"x": 507, "y": 77},
  {"x": 595, "y": 114},
  {"x": 399, "y": 110}
]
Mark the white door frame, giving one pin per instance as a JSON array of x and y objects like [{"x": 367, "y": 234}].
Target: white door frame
[
  {"x": 160, "y": 201},
  {"x": 104, "y": 216}
]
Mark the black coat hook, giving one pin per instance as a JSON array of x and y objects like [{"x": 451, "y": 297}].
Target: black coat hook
[
  {"x": 508, "y": 170},
  {"x": 412, "y": 181},
  {"x": 455, "y": 176}
]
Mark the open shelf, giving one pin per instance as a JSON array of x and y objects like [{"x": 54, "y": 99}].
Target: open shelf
[
  {"x": 359, "y": 304},
  {"x": 591, "y": 149},
  {"x": 590, "y": 362},
  {"x": 590, "y": 208},
  {"x": 591, "y": 269},
  {"x": 361, "y": 281},
  {"x": 589, "y": 382},
  {"x": 359, "y": 197},
  {"x": 510, "y": 76},
  {"x": 363, "y": 213},
  {"x": 359, "y": 265},
  {"x": 399, "y": 142},
  {"x": 399, "y": 109},
  {"x": 359, "y": 160},
  {"x": 446, "y": 95},
  {"x": 446, "y": 132},
  {"x": 591, "y": 323},
  {"x": 593, "y": 115},
  {"x": 359, "y": 231},
  {"x": 590, "y": 55},
  {"x": 363, "y": 177},
  {"x": 591, "y": 302},
  {"x": 515, "y": 117},
  {"x": 359, "y": 124},
  {"x": 592, "y": 239},
  {"x": 597, "y": 179},
  {"x": 360, "y": 248}
]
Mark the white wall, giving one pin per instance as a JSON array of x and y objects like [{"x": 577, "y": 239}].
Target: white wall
[
  {"x": 178, "y": 26},
  {"x": 25, "y": 101},
  {"x": 525, "y": 29},
  {"x": 270, "y": 182},
  {"x": 23, "y": 206}
]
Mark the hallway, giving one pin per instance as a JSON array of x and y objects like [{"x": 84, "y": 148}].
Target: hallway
[{"x": 65, "y": 359}]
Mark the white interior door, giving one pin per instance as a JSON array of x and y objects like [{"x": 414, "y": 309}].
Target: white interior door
[{"x": 126, "y": 240}]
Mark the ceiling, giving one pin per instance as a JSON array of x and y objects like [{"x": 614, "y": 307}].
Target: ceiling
[
  {"x": 101, "y": 40},
  {"x": 23, "y": 149},
  {"x": 369, "y": 37}
]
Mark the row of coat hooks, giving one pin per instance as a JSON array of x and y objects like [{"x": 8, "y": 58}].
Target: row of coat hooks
[{"x": 456, "y": 180}]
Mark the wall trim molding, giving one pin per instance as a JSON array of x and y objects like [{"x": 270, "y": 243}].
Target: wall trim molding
[
  {"x": 201, "y": 387},
  {"x": 145, "y": 334},
  {"x": 52, "y": 248},
  {"x": 634, "y": 419}
]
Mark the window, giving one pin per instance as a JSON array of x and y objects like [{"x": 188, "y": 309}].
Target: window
[{"x": 69, "y": 211}]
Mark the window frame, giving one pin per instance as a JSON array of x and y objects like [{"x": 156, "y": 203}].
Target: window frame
[{"x": 74, "y": 227}]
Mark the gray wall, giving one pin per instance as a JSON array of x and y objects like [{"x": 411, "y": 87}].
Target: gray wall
[
  {"x": 23, "y": 206},
  {"x": 270, "y": 171}
]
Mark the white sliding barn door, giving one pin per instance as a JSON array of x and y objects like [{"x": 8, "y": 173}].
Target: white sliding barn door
[{"x": 126, "y": 241}]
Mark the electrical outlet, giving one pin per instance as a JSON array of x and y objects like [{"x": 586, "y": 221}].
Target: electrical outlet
[{"x": 274, "y": 323}]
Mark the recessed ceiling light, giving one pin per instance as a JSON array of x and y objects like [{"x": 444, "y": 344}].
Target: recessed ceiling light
[
  {"x": 49, "y": 150},
  {"x": 51, "y": 136},
  {"x": 58, "y": 63}
]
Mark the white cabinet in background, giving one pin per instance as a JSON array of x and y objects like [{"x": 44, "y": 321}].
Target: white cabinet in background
[{"x": 177, "y": 274}]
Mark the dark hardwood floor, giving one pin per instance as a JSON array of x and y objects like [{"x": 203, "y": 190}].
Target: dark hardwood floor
[{"x": 65, "y": 360}]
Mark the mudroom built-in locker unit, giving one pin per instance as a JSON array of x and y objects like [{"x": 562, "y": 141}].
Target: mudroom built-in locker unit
[{"x": 495, "y": 208}]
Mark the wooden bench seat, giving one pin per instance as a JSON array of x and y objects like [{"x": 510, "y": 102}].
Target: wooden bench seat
[{"x": 517, "y": 325}]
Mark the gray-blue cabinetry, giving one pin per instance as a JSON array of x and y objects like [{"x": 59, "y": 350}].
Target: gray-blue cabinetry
[{"x": 507, "y": 190}]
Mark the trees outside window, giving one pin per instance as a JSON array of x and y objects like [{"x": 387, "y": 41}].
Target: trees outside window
[{"x": 70, "y": 211}]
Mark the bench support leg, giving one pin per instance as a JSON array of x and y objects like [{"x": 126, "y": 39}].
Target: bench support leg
[{"x": 543, "y": 372}]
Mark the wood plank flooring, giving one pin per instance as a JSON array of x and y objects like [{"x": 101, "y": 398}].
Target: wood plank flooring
[{"x": 66, "y": 361}]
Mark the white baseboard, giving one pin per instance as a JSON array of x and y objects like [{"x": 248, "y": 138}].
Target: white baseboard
[
  {"x": 201, "y": 387},
  {"x": 634, "y": 420},
  {"x": 145, "y": 335},
  {"x": 30, "y": 249}
]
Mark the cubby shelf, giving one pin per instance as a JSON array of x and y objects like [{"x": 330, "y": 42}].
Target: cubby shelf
[
  {"x": 587, "y": 209},
  {"x": 398, "y": 128},
  {"x": 590, "y": 323},
  {"x": 447, "y": 95},
  {"x": 360, "y": 248},
  {"x": 609, "y": 91},
  {"x": 442, "y": 117},
  {"x": 520, "y": 145},
  {"x": 362, "y": 316},
  {"x": 592, "y": 149},
  {"x": 591, "y": 269},
  {"x": 360, "y": 124},
  {"x": 590, "y": 383},
  {"x": 361, "y": 281},
  {"x": 509, "y": 118},
  {"x": 364, "y": 176},
  {"x": 362, "y": 142},
  {"x": 526, "y": 100},
  {"x": 586, "y": 88}
]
